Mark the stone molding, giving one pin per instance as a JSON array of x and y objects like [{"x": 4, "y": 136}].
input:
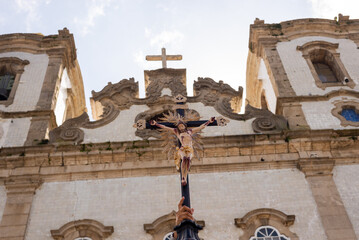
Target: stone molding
[
  {"x": 265, "y": 217},
  {"x": 312, "y": 167},
  {"x": 14, "y": 66},
  {"x": 26, "y": 184},
  {"x": 163, "y": 225},
  {"x": 261, "y": 34},
  {"x": 339, "y": 69},
  {"x": 339, "y": 106},
  {"x": 82, "y": 228},
  {"x": 61, "y": 44},
  {"x": 70, "y": 130},
  {"x": 143, "y": 158}
]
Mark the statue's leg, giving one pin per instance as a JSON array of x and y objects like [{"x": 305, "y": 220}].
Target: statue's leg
[{"x": 184, "y": 170}]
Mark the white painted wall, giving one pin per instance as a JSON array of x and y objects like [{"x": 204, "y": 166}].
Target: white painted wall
[
  {"x": 298, "y": 70},
  {"x": 267, "y": 87},
  {"x": 2, "y": 200},
  {"x": 14, "y": 131},
  {"x": 319, "y": 116},
  {"x": 60, "y": 106},
  {"x": 28, "y": 91},
  {"x": 218, "y": 198},
  {"x": 347, "y": 180},
  {"x": 233, "y": 127},
  {"x": 121, "y": 129}
]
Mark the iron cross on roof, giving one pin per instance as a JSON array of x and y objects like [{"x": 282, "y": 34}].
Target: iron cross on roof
[{"x": 163, "y": 57}]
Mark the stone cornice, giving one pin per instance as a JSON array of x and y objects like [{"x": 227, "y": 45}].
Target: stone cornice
[
  {"x": 145, "y": 158},
  {"x": 59, "y": 45},
  {"x": 262, "y": 34}
]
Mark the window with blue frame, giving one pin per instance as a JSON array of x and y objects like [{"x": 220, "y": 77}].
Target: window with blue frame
[
  {"x": 350, "y": 114},
  {"x": 268, "y": 233}
]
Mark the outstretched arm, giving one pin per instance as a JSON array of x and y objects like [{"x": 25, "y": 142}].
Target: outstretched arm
[
  {"x": 197, "y": 129},
  {"x": 154, "y": 123}
]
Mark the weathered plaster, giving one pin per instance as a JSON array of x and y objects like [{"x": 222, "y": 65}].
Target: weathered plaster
[
  {"x": 298, "y": 70},
  {"x": 2, "y": 200},
  {"x": 218, "y": 198},
  {"x": 347, "y": 180},
  {"x": 28, "y": 91},
  {"x": 318, "y": 114},
  {"x": 14, "y": 131}
]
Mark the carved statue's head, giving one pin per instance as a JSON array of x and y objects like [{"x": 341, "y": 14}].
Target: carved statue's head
[{"x": 182, "y": 127}]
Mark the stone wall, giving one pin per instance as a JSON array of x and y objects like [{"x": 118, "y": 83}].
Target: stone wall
[
  {"x": 31, "y": 81},
  {"x": 347, "y": 180},
  {"x": 14, "y": 131},
  {"x": 318, "y": 114},
  {"x": 2, "y": 200},
  {"x": 218, "y": 198},
  {"x": 298, "y": 70}
]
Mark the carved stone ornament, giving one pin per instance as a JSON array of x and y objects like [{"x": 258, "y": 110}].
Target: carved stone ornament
[
  {"x": 226, "y": 101},
  {"x": 70, "y": 130},
  {"x": 221, "y": 121},
  {"x": 82, "y": 228},
  {"x": 180, "y": 99},
  {"x": 140, "y": 124}
]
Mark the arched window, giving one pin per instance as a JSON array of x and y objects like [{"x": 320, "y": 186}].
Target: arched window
[
  {"x": 266, "y": 224},
  {"x": 11, "y": 69},
  {"x": 268, "y": 233},
  {"x": 86, "y": 229},
  {"x": 325, "y": 64}
]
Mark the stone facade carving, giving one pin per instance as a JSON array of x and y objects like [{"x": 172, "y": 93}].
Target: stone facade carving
[{"x": 82, "y": 228}]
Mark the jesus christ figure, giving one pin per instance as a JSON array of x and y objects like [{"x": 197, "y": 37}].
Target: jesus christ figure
[{"x": 184, "y": 135}]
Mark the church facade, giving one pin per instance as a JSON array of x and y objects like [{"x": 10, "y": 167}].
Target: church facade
[{"x": 284, "y": 169}]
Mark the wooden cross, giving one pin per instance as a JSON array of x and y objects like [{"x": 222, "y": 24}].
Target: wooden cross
[{"x": 163, "y": 58}]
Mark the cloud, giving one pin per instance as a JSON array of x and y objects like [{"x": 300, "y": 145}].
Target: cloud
[
  {"x": 330, "y": 8},
  {"x": 30, "y": 8},
  {"x": 165, "y": 38},
  {"x": 95, "y": 10}
]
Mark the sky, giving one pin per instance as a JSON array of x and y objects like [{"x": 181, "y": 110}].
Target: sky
[{"x": 113, "y": 36}]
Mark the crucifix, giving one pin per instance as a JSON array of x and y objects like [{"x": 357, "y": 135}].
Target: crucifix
[
  {"x": 184, "y": 131},
  {"x": 163, "y": 57}
]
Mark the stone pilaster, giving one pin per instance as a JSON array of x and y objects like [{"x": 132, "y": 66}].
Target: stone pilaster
[
  {"x": 20, "y": 193},
  {"x": 330, "y": 206}
]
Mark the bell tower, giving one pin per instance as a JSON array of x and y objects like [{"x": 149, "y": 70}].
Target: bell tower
[
  {"x": 306, "y": 70},
  {"x": 40, "y": 86}
]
